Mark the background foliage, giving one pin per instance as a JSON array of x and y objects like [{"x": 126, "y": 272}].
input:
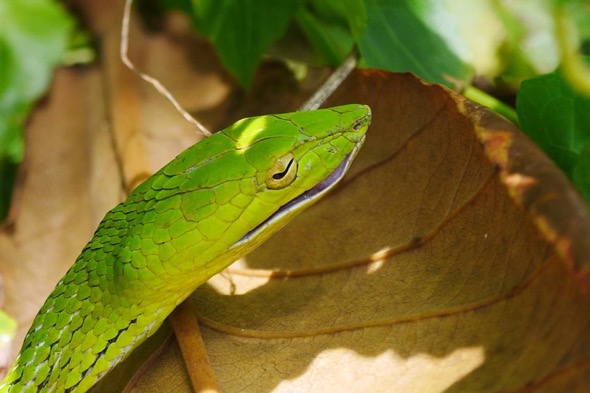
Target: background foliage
[
  {"x": 33, "y": 39},
  {"x": 493, "y": 45}
]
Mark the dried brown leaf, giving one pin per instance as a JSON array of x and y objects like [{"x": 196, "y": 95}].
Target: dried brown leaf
[
  {"x": 430, "y": 269},
  {"x": 67, "y": 182}
]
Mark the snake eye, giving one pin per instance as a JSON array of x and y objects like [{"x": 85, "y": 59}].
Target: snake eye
[{"x": 282, "y": 173}]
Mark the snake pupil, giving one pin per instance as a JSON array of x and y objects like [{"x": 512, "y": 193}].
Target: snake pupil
[{"x": 280, "y": 175}]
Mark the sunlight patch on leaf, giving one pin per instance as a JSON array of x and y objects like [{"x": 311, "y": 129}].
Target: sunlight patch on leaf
[{"x": 343, "y": 369}]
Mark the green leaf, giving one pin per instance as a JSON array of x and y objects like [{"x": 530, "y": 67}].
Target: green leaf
[
  {"x": 332, "y": 27},
  {"x": 181, "y": 5},
  {"x": 242, "y": 30},
  {"x": 33, "y": 38},
  {"x": 7, "y": 331},
  {"x": 581, "y": 173},
  {"x": 416, "y": 36},
  {"x": 557, "y": 118},
  {"x": 35, "y": 34},
  {"x": 8, "y": 327}
]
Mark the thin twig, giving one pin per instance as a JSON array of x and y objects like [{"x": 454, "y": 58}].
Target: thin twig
[
  {"x": 152, "y": 81},
  {"x": 331, "y": 84}
]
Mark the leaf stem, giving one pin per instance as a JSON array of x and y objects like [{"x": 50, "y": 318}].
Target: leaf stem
[
  {"x": 483, "y": 98},
  {"x": 331, "y": 84}
]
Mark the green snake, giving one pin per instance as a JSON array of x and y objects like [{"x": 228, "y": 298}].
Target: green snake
[{"x": 215, "y": 202}]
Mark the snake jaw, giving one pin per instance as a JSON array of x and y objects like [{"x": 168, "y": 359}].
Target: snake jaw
[{"x": 306, "y": 198}]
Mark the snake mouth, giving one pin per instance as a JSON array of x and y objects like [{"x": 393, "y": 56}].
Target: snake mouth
[
  {"x": 308, "y": 197},
  {"x": 323, "y": 186}
]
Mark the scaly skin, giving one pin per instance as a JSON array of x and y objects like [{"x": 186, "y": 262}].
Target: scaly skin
[{"x": 184, "y": 224}]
